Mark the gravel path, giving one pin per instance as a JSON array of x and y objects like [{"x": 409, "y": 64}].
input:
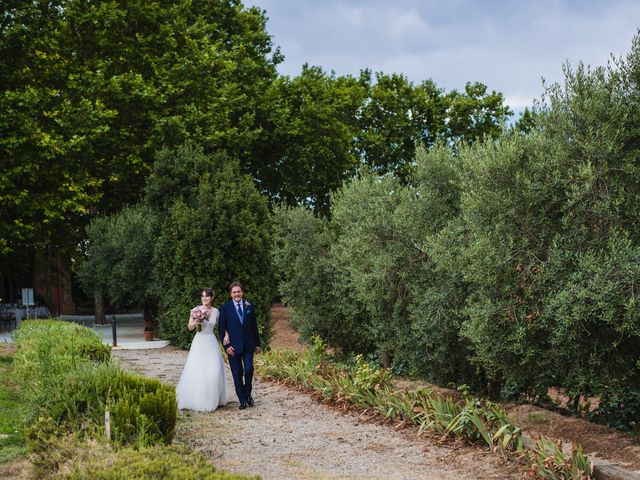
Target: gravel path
[{"x": 288, "y": 435}]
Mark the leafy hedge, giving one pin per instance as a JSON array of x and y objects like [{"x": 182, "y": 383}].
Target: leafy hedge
[
  {"x": 67, "y": 375},
  {"x": 510, "y": 265},
  {"x": 68, "y": 383}
]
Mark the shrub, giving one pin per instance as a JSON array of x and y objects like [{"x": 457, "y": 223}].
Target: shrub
[
  {"x": 619, "y": 409},
  {"x": 61, "y": 382},
  {"x": 166, "y": 462},
  {"x": 219, "y": 233},
  {"x": 47, "y": 354},
  {"x": 143, "y": 410}
]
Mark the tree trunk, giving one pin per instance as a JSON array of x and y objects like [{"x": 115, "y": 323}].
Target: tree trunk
[
  {"x": 149, "y": 321},
  {"x": 98, "y": 303},
  {"x": 386, "y": 359},
  {"x": 493, "y": 389}
]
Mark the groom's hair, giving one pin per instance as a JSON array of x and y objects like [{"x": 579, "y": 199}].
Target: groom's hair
[{"x": 235, "y": 284}]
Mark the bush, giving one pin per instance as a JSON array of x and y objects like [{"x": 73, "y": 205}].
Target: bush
[
  {"x": 216, "y": 232},
  {"x": 64, "y": 385},
  {"x": 143, "y": 410},
  {"x": 48, "y": 353},
  {"x": 63, "y": 453},
  {"x": 619, "y": 409},
  {"x": 166, "y": 462}
]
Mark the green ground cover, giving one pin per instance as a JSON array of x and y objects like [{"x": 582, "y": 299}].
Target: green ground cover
[{"x": 12, "y": 443}]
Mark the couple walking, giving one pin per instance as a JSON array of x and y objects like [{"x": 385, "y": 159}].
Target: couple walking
[{"x": 203, "y": 385}]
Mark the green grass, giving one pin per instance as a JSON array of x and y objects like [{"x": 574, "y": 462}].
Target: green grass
[{"x": 12, "y": 443}]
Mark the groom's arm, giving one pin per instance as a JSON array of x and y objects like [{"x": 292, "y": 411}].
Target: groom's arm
[
  {"x": 222, "y": 324},
  {"x": 256, "y": 335}
]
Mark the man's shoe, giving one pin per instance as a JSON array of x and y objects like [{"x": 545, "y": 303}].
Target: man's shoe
[
  {"x": 250, "y": 402},
  {"x": 242, "y": 406}
]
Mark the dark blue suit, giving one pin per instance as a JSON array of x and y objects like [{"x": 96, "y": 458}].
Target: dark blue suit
[{"x": 244, "y": 338}]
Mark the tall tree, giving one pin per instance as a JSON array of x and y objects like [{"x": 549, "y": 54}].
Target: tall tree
[
  {"x": 309, "y": 152},
  {"x": 90, "y": 90},
  {"x": 397, "y": 117}
]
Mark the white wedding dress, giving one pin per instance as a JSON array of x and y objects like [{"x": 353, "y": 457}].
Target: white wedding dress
[{"x": 203, "y": 385}]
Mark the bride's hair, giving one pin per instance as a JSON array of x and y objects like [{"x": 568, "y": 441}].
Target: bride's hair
[{"x": 208, "y": 292}]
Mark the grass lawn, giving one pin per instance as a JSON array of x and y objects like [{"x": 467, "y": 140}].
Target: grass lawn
[{"x": 12, "y": 445}]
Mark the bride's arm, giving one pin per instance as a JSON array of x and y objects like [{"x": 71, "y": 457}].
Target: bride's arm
[{"x": 192, "y": 323}]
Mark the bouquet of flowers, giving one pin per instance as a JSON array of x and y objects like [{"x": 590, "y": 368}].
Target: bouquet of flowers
[{"x": 199, "y": 314}]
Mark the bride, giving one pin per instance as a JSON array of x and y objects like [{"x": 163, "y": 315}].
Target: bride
[{"x": 203, "y": 384}]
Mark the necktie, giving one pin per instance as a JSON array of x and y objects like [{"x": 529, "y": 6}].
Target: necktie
[{"x": 240, "y": 314}]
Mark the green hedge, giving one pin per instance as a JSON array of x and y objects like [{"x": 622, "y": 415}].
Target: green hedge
[
  {"x": 166, "y": 462},
  {"x": 67, "y": 376}
]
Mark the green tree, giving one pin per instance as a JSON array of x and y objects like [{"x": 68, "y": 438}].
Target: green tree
[
  {"x": 119, "y": 259},
  {"x": 319, "y": 292},
  {"x": 595, "y": 117},
  {"x": 216, "y": 232},
  {"x": 435, "y": 275},
  {"x": 398, "y": 117},
  {"x": 309, "y": 152},
  {"x": 374, "y": 249},
  {"x": 91, "y": 90},
  {"x": 475, "y": 114},
  {"x": 510, "y": 212}
]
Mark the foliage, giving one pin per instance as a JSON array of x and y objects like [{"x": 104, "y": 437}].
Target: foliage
[
  {"x": 619, "y": 408},
  {"x": 217, "y": 233},
  {"x": 12, "y": 446},
  {"x": 118, "y": 256},
  {"x": 551, "y": 253},
  {"x": 64, "y": 379},
  {"x": 371, "y": 247},
  {"x": 436, "y": 283},
  {"x": 319, "y": 292},
  {"x": 47, "y": 351},
  {"x": 550, "y": 462},
  {"x": 90, "y": 92},
  {"x": 508, "y": 219},
  {"x": 512, "y": 261},
  {"x": 170, "y": 462},
  {"x": 67, "y": 437},
  {"x": 398, "y": 118},
  {"x": 52, "y": 445},
  {"x": 310, "y": 151}
]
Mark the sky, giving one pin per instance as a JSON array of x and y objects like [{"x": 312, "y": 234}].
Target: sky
[{"x": 507, "y": 45}]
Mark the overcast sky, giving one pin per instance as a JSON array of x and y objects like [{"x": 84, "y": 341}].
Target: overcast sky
[{"x": 507, "y": 45}]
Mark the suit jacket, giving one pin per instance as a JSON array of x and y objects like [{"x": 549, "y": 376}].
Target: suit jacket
[{"x": 242, "y": 336}]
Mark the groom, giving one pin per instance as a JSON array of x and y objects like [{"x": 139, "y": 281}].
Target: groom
[{"x": 238, "y": 319}]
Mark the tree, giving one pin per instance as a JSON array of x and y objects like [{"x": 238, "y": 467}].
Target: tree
[
  {"x": 91, "y": 90},
  {"x": 309, "y": 152},
  {"x": 475, "y": 114},
  {"x": 320, "y": 293},
  {"x": 398, "y": 117},
  {"x": 373, "y": 248},
  {"x": 216, "y": 232},
  {"x": 510, "y": 210},
  {"x": 119, "y": 259}
]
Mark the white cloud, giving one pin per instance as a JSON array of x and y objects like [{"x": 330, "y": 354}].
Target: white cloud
[{"x": 508, "y": 45}]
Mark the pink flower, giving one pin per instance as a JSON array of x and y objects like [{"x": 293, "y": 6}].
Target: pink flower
[{"x": 199, "y": 314}]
